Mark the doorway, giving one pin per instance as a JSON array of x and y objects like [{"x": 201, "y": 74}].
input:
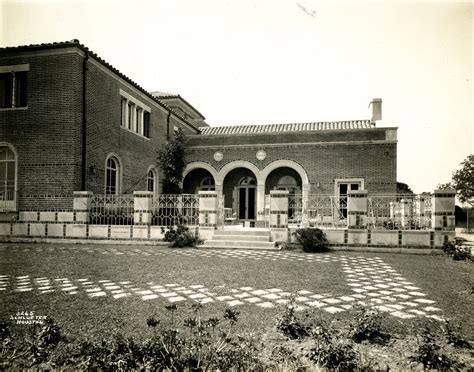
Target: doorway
[{"x": 246, "y": 192}]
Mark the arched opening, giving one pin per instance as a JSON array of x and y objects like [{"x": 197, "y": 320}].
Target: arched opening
[
  {"x": 286, "y": 178},
  {"x": 112, "y": 176},
  {"x": 152, "y": 181},
  {"x": 8, "y": 168},
  {"x": 240, "y": 194},
  {"x": 198, "y": 179}
]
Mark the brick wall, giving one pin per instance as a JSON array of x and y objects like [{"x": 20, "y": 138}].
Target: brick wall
[
  {"x": 46, "y": 135},
  {"x": 374, "y": 162},
  {"x": 106, "y": 136}
]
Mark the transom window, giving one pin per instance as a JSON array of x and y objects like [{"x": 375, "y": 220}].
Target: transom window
[
  {"x": 112, "y": 176},
  {"x": 13, "y": 86},
  {"x": 247, "y": 181},
  {"x": 288, "y": 183},
  {"x": 207, "y": 184}
]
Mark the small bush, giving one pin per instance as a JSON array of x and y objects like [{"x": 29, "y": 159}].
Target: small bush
[
  {"x": 312, "y": 239},
  {"x": 454, "y": 337},
  {"x": 430, "y": 353},
  {"x": 368, "y": 327},
  {"x": 290, "y": 326},
  {"x": 330, "y": 350},
  {"x": 457, "y": 250},
  {"x": 180, "y": 237}
]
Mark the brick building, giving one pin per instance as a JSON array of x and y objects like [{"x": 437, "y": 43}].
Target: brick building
[{"x": 69, "y": 121}]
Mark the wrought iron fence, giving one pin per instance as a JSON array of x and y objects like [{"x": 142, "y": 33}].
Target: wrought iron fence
[
  {"x": 295, "y": 209},
  {"x": 171, "y": 210},
  {"x": 399, "y": 211},
  {"x": 327, "y": 210},
  {"x": 111, "y": 210}
]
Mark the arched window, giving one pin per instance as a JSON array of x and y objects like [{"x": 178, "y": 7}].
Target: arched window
[
  {"x": 151, "y": 181},
  {"x": 247, "y": 181},
  {"x": 288, "y": 183},
  {"x": 112, "y": 176},
  {"x": 207, "y": 184},
  {"x": 7, "y": 178}
]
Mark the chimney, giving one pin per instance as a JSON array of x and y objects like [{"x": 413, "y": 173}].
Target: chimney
[{"x": 376, "y": 110}]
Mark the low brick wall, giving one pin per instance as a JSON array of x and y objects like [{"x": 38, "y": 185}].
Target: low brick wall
[
  {"x": 49, "y": 227},
  {"x": 380, "y": 239},
  {"x": 64, "y": 230}
]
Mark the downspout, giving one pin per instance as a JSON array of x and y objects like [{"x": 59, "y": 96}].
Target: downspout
[
  {"x": 168, "y": 126},
  {"x": 84, "y": 121}
]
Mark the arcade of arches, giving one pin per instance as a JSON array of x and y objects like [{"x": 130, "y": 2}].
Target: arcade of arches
[{"x": 243, "y": 187}]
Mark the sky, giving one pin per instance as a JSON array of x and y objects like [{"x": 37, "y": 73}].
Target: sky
[{"x": 282, "y": 61}]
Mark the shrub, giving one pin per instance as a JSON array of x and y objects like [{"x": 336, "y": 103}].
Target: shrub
[
  {"x": 430, "y": 353},
  {"x": 289, "y": 324},
  {"x": 330, "y": 350},
  {"x": 368, "y": 327},
  {"x": 457, "y": 250},
  {"x": 454, "y": 336},
  {"x": 312, "y": 239},
  {"x": 180, "y": 237}
]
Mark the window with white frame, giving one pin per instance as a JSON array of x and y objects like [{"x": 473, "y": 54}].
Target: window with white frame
[
  {"x": 151, "y": 181},
  {"x": 207, "y": 184},
  {"x": 7, "y": 178},
  {"x": 135, "y": 115},
  {"x": 112, "y": 176},
  {"x": 13, "y": 86}
]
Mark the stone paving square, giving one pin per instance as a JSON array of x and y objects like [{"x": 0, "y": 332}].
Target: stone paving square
[
  {"x": 149, "y": 297},
  {"x": 176, "y": 299},
  {"x": 333, "y": 309},
  {"x": 253, "y": 299},
  {"x": 235, "y": 303},
  {"x": 168, "y": 294}
]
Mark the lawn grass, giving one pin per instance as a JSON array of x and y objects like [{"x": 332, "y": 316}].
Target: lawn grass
[{"x": 447, "y": 282}]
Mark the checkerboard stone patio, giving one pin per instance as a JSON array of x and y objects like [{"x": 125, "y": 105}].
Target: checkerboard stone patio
[{"x": 371, "y": 281}]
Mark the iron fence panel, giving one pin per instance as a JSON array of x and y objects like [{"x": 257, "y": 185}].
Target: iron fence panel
[{"x": 172, "y": 210}]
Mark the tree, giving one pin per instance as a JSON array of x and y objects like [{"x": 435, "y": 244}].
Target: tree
[
  {"x": 463, "y": 181},
  {"x": 403, "y": 188},
  {"x": 171, "y": 162}
]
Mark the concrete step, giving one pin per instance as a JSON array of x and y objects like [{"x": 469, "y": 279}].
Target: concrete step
[
  {"x": 242, "y": 237},
  {"x": 241, "y": 231},
  {"x": 238, "y": 244}
]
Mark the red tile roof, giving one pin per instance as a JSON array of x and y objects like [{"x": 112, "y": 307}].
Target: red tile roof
[{"x": 292, "y": 127}]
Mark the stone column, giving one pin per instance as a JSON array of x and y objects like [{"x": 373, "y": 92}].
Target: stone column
[
  {"x": 208, "y": 210},
  {"x": 81, "y": 206},
  {"x": 406, "y": 213},
  {"x": 305, "y": 189},
  {"x": 279, "y": 215},
  {"x": 142, "y": 204},
  {"x": 442, "y": 210},
  {"x": 260, "y": 206},
  {"x": 357, "y": 209}
]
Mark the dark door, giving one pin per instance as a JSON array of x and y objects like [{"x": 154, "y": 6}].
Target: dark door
[{"x": 247, "y": 203}]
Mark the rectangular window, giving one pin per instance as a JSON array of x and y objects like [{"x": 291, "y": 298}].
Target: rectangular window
[
  {"x": 146, "y": 124},
  {"x": 13, "y": 89},
  {"x": 139, "y": 126},
  {"x": 131, "y": 110},
  {"x": 123, "y": 112}
]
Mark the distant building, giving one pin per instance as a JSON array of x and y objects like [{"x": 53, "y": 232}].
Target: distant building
[{"x": 69, "y": 121}]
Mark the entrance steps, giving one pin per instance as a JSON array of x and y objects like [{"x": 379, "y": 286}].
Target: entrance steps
[{"x": 250, "y": 238}]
